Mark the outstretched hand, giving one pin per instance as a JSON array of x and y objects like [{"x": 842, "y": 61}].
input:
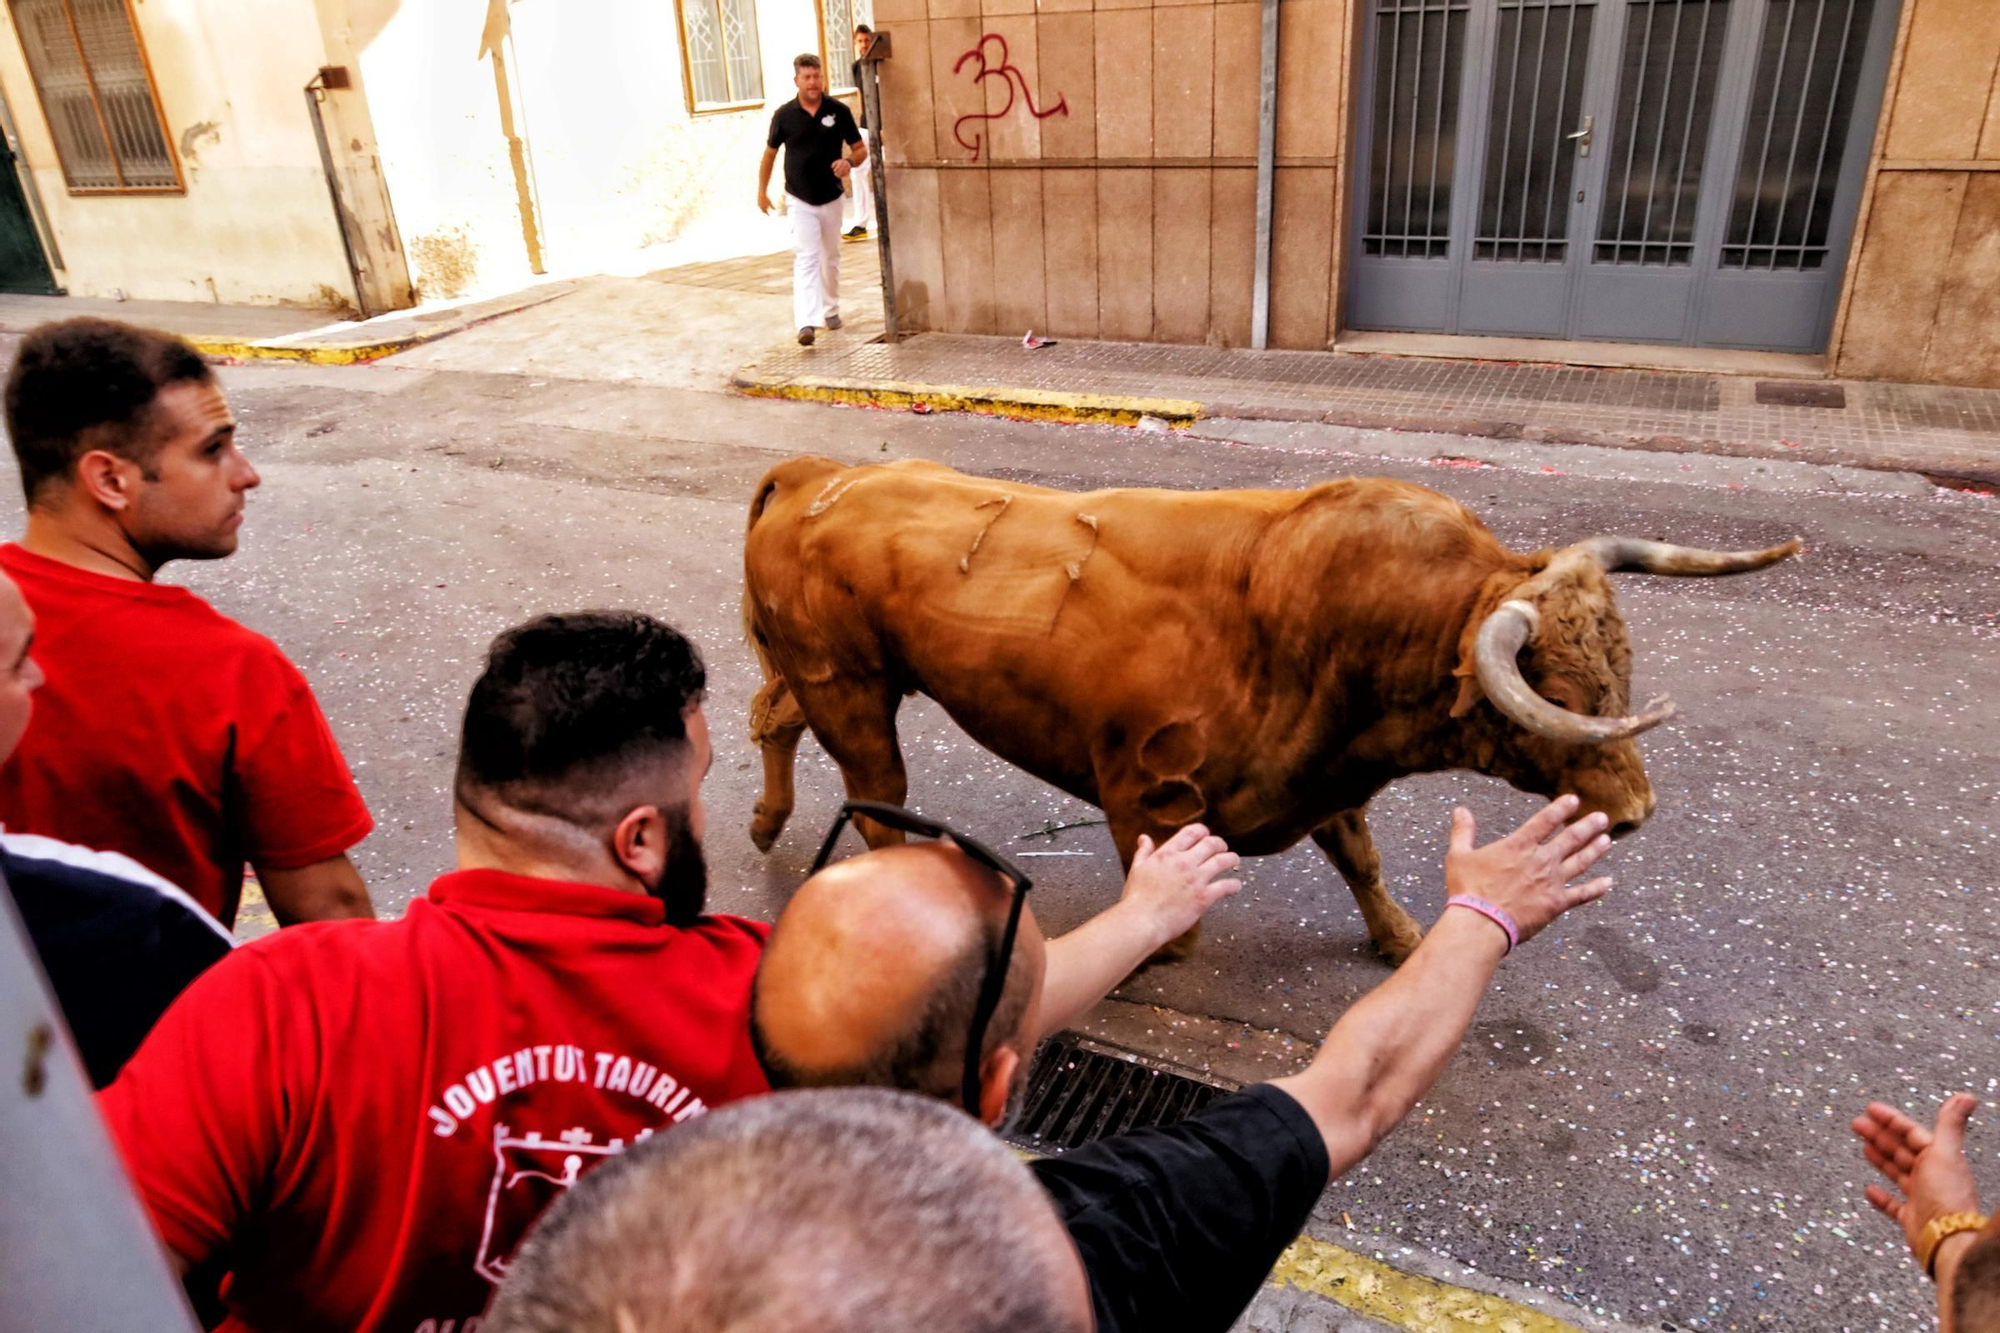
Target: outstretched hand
[
  {"x": 1926, "y": 1169},
  {"x": 1181, "y": 878},
  {"x": 1528, "y": 873}
]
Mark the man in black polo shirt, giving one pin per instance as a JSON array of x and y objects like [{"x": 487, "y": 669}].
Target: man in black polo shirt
[
  {"x": 822, "y": 146},
  {"x": 1177, "y": 1227}
]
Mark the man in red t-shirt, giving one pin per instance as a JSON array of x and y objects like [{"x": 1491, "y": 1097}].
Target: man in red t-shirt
[
  {"x": 361, "y": 1119},
  {"x": 206, "y": 747}
]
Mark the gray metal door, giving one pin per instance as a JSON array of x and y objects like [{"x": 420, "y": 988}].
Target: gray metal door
[{"x": 1677, "y": 171}]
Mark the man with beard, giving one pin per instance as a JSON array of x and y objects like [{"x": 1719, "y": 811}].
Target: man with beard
[
  {"x": 361, "y": 1119},
  {"x": 167, "y": 732},
  {"x": 921, "y": 967}
]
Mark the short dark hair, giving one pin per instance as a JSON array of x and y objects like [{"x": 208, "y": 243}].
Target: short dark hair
[
  {"x": 570, "y": 705},
  {"x": 1975, "y": 1292},
  {"x": 927, "y": 1057},
  {"x": 806, "y": 61},
  {"x": 860, "y": 28},
  {"x": 846, "y": 1211},
  {"x": 84, "y": 384}
]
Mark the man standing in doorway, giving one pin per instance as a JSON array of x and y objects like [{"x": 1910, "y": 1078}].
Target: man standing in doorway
[
  {"x": 822, "y": 146},
  {"x": 864, "y": 191}
]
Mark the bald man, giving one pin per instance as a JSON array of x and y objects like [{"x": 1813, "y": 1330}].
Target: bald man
[
  {"x": 878, "y": 944},
  {"x": 1176, "y": 1227}
]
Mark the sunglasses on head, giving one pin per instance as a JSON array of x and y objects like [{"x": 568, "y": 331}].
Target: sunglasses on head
[{"x": 995, "y": 980}]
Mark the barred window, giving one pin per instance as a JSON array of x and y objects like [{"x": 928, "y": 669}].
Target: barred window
[
  {"x": 720, "y": 54},
  {"x": 97, "y": 94},
  {"x": 836, "y": 19}
]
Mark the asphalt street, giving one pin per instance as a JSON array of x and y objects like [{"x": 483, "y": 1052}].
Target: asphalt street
[{"x": 1650, "y": 1116}]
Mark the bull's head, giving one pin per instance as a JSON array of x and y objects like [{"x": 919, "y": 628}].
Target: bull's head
[{"x": 1552, "y": 657}]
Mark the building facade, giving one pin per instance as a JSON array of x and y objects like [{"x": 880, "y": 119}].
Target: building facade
[
  {"x": 359, "y": 155},
  {"x": 1815, "y": 177}
]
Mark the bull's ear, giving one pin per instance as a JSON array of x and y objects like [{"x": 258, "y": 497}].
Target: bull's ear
[{"x": 1469, "y": 693}]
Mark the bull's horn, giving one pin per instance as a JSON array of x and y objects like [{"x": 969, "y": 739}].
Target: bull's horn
[
  {"x": 1496, "y": 653},
  {"x": 1637, "y": 555}
]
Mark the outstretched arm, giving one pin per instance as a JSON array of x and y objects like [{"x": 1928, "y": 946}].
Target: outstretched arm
[
  {"x": 1929, "y": 1178},
  {"x": 1387, "y": 1050},
  {"x": 1167, "y": 891}
]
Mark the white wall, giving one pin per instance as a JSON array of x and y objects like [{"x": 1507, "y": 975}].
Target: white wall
[
  {"x": 616, "y": 162},
  {"x": 256, "y": 224}
]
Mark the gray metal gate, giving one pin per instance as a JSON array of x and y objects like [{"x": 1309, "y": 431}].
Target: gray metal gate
[{"x": 1674, "y": 171}]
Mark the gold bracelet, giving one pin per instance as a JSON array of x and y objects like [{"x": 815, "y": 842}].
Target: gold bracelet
[{"x": 1937, "y": 1230}]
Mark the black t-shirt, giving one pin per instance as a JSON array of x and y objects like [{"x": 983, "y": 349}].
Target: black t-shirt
[
  {"x": 811, "y": 143},
  {"x": 1180, "y": 1226},
  {"x": 117, "y": 942}
]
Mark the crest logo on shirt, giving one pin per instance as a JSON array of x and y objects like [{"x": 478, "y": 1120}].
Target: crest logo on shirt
[
  {"x": 827, "y": 120},
  {"x": 530, "y": 1173}
]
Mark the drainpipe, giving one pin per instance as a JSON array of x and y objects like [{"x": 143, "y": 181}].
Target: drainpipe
[
  {"x": 878, "y": 175},
  {"x": 335, "y": 77},
  {"x": 1267, "y": 165}
]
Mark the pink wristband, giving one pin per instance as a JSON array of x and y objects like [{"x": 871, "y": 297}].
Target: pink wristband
[{"x": 1491, "y": 913}]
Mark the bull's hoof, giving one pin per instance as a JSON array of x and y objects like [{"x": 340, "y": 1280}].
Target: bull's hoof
[
  {"x": 1174, "y": 950},
  {"x": 1396, "y": 950},
  {"x": 765, "y": 828}
]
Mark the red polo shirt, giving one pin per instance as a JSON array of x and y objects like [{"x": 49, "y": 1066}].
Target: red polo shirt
[
  {"x": 171, "y": 733},
  {"x": 364, "y": 1117}
]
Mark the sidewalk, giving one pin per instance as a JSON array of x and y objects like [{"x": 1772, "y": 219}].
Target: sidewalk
[
  {"x": 279, "y": 333},
  {"x": 1951, "y": 435}
]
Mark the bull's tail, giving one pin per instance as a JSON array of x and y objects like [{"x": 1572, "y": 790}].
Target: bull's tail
[
  {"x": 776, "y": 719},
  {"x": 786, "y": 476}
]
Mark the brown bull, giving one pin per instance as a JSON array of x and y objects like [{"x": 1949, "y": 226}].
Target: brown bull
[{"x": 1263, "y": 661}]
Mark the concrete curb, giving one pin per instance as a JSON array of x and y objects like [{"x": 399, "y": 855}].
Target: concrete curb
[
  {"x": 1396, "y": 1297},
  {"x": 1027, "y": 404},
  {"x": 394, "y": 333}
]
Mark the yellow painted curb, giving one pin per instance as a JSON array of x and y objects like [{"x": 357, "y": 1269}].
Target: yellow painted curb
[
  {"x": 1403, "y": 1300},
  {"x": 328, "y": 354},
  {"x": 1031, "y": 404}
]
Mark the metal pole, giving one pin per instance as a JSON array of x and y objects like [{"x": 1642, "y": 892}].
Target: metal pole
[
  {"x": 1267, "y": 163},
  {"x": 871, "y": 107}
]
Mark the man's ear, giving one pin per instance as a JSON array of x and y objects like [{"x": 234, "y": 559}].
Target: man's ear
[
  {"x": 996, "y": 1079},
  {"x": 107, "y": 478},
  {"x": 639, "y": 843}
]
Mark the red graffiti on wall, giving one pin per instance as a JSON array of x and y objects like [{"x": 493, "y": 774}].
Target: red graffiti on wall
[{"x": 1009, "y": 76}]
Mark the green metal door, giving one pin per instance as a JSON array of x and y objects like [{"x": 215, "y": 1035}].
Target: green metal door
[{"x": 23, "y": 266}]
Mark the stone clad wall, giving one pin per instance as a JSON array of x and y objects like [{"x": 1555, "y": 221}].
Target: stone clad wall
[
  {"x": 1924, "y": 294},
  {"x": 1126, "y": 208}
]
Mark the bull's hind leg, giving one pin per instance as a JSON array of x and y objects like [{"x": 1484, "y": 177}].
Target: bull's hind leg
[
  {"x": 1345, "y": 840},
  {"x": 776, "y": 723},
  {"x": 855, "y": 719}
]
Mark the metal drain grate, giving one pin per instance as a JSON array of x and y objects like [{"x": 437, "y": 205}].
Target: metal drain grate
[
  {"x": 1079, "y": 1091},
  {"x": 1800, "y": 393}
]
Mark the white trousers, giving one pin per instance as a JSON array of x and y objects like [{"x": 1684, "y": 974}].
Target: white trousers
[
  {"x": 863, "y": 214},
  {"x": 815, "y": 261}
]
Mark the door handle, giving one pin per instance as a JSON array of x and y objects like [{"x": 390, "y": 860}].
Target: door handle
[{"x": 1582, "y": 136}]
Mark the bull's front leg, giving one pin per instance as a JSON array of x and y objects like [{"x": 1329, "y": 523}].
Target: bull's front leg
[{"x": 1346, "y": 841}]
